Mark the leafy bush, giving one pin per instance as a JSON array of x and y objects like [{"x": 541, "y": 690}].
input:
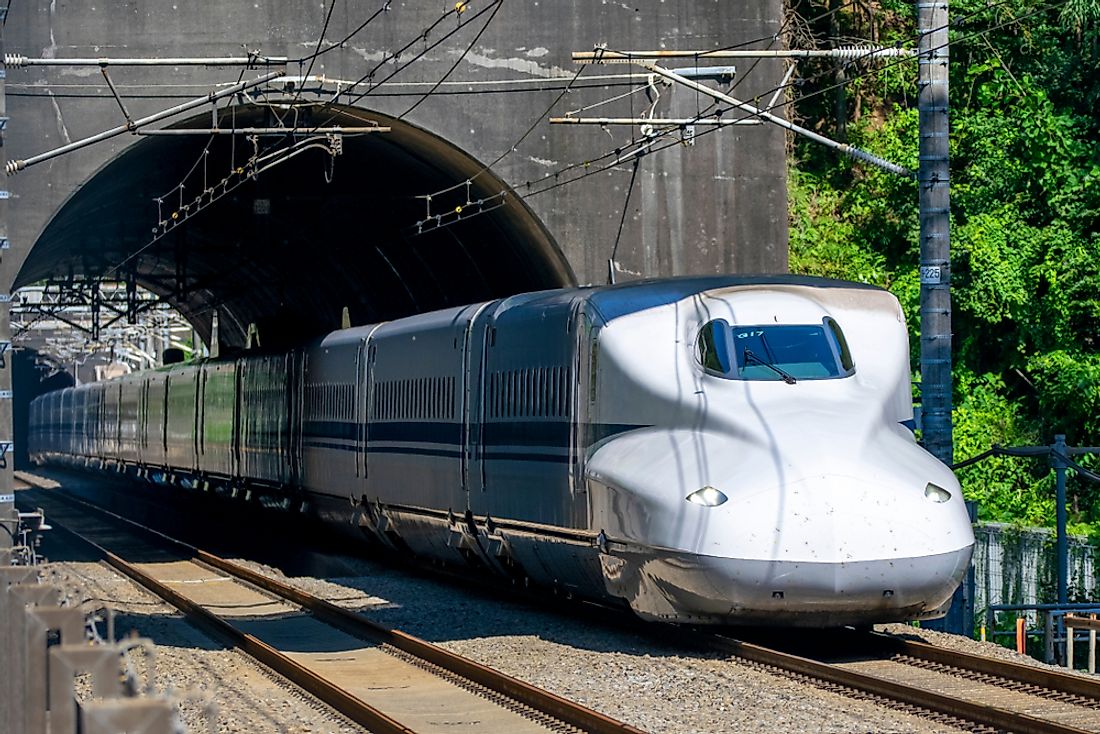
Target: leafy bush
[{"x": 1025, "y": 87}]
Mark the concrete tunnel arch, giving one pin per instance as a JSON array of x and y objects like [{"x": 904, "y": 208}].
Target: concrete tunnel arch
[{"x": 292, "y": 248}]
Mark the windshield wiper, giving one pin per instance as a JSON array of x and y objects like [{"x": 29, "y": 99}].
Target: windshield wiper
[{"x": 788, "y": 378}]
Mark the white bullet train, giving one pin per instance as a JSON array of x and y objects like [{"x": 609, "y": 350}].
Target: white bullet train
[{"x": 706, "y": 450}]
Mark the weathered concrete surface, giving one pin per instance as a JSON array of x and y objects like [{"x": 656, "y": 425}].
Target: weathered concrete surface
[{"x": 719, "y": 206}]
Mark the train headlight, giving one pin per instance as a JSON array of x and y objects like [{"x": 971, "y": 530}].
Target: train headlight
[
  {"x": 707, "y": 497},
  {"x": 936, "y": 493}
]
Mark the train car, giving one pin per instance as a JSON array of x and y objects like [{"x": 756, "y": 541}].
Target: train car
[{"x": 704, "y": 450}]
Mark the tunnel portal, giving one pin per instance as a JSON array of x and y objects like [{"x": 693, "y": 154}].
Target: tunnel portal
[{"x": 342, "y": 227}]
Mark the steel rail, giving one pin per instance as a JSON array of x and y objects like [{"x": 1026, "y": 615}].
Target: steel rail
[
  {"x": 569, "y": 712},
  {"x": 557, "y": 707},
  {"x": 537, "y": 698},
  {"x": 340, "y": 699},
  {"x": 1054, "y": 680},
  {"x": 929, "y": 700}
]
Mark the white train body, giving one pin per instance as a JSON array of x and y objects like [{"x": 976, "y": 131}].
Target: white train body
[{"x": 617, "y": 443}]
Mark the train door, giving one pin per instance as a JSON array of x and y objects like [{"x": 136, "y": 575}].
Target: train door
[
  {"x": 359, "y": 387},
  {"x": 295, "y": 368},
  {"x": 365, "y": 389},
  {"x": 583, "y": 403},
  {"x": 475, "y": 337}
]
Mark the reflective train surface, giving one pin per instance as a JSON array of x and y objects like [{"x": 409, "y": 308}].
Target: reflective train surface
[{"x": 706, "y": 450}]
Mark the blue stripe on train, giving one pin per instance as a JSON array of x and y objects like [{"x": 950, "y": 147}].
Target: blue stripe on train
[
  {"x": 551, "y": 437},
  {"x": 445, "y": 453}
]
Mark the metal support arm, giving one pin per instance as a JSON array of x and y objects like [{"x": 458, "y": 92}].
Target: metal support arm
[
  {"x": 13, "y": 167},
  {"x": 848, "y": 150}
]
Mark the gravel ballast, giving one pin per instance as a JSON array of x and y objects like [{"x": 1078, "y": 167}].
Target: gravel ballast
[{"x": 647, "y": 682}]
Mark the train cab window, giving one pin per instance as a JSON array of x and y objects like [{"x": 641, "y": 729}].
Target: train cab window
[
  {"x": 714, "y": 347},
  {"x": 788, "y": 352}
]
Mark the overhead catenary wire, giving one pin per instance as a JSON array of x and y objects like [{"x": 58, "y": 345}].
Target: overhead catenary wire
[
  {"x": 317, "y": 48},
  {"x": 462, "y": 57},
  {"x": 590, "y": 171},
  {"x": 622, "y": 222},
  {"x": 318, "y": 52},
  {"x": 508, "y": 151},
  {"x": 457, "y": 10},
  {"x": 280, "y": 155}
]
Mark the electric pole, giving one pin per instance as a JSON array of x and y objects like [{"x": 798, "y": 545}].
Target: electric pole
[
  {"x": 9, "y": 518},
  {"x": 935, "y": 243}
]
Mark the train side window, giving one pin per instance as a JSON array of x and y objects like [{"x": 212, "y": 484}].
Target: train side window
[
  {"x": 558, "y": 391},
  {"x": 521, "y": 400},
  {"x": 544, "y": 394},
  {"x": 551, "y": 391},
  {"x": 547, "y": 395},
  {"x": 536, "y": 408},
  {"x": 532, "y": 392},
  {"x": 526, "y": 392},
  {"x": 512, "y": 394},
  {"x": 517, "y": 392}
]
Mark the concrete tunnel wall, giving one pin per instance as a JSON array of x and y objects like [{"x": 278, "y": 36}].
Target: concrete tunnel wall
[{"x": 716, "y": 206}]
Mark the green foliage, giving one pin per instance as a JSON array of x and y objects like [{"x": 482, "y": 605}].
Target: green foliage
[{"x": 1025, "y": 87}]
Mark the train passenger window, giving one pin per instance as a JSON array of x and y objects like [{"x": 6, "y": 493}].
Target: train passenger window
[
  {"x": 525, "y": 398},
  {"x": 552, "y": 385},
  {"x": 788, "y": 352},
  {"x": 520, "y": 408},
  {"x": 533, "y": 391},
  {"x": 538, "y": 391}
]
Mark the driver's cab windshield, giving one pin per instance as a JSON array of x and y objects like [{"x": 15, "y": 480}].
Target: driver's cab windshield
[{"x": 788, "y": 352}]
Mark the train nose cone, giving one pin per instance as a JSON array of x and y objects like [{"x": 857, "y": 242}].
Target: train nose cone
[{"x": 835, "y": 544}]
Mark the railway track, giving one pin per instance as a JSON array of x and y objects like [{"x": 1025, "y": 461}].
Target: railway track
[
  {"x": 382, "y": 679},
  {"x": 959, "y": 689}
]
